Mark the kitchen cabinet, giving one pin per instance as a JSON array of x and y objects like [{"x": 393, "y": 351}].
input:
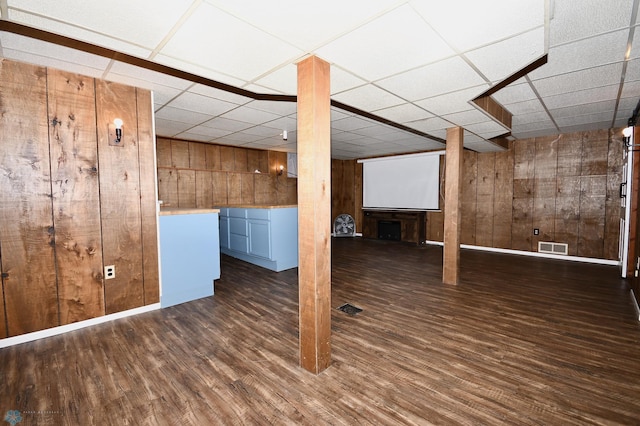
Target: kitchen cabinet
[{"x": 266, "y": 236}]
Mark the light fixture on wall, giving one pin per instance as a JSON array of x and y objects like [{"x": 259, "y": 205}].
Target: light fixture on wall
[
  {"x": 280, "y": 170},
  {"x": 115, "y": 132}
]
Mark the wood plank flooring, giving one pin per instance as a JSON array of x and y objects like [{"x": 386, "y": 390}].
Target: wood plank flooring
[{"x": 519, "y": 341}]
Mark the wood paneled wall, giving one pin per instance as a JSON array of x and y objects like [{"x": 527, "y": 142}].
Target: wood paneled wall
[
  {"x": 195, "y": 174},
  {"x": 566, "y": 186},
  {"x": 69, "y": 202}
]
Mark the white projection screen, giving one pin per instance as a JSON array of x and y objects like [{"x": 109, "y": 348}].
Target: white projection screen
[{"x": 403, "y": 182}]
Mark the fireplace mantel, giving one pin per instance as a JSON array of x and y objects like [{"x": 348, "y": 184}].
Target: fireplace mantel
[{"x": 413, "y": 224}]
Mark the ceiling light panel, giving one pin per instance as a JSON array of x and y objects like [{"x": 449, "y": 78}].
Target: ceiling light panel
[
  {"x": 468, "y": 24},
  {"x": 218, "y": 41},
  {"x": 449, "y": 75},
  {"x": 373, "y": 52}
]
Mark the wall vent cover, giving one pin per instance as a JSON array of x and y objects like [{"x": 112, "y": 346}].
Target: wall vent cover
[{"x": 553, "y": 248}]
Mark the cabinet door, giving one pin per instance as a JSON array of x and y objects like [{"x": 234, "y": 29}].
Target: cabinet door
[
  {"x": 224, "y": 232},
  {"x": 260, "y": 238}
]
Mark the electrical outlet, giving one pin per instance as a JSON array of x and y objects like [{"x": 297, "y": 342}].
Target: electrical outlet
[
  {"x": 109, "y": 272},
  {"x": 536, "y": 231}
]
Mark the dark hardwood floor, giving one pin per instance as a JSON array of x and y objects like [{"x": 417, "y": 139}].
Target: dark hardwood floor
[{"x": 519, "y": 341}]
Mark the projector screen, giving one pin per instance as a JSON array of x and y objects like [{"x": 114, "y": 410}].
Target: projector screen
[{"x": 407, "y": 182}]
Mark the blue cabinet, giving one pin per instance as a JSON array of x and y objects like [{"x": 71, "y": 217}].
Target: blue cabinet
[
  {"x": 189, "y": 255},
  {"x": 266, "y": 237}
]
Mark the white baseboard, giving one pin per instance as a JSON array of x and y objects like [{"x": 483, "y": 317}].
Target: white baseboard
[
  {"x": 534, "y": 254},
  {"x": 29, "y": 337}
]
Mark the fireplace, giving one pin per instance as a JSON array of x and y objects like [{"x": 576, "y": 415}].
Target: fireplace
[{"x": 389, "y": 230}]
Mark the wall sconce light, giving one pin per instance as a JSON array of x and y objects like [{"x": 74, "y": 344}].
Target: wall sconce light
[
  {"x": 626, "y": 133},
  {"x": 115, "y": 132},
  {"x": 280, "y": 170}
]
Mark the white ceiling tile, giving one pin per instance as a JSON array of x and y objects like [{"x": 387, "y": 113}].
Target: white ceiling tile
[
  {"x": 201, "y": 104},
  {"x": 465, "y": 118},
  {"x": 540, "y": 126},
  {"x": 285, "y": 123},
  {"x": 57, "y": 27},
  {"x": 487, "y": 128},
  {"x": 351, "y": 123},
  {"x": 403, "y": 113},
  {"x": 168, "y": 128},
  {"x": 368, "y": 98},
  {"x": 373, "y": 51},
  {"x": 283, "y": 80},
  {"x": 470, "y": 24},
  {"x": 119, "y": 17},
  {"x": 633, "y": 69},
  {"x": 177, "y": 114},
  {"x": 144, "y": 76},
  {"x": 453, "y": 101},
  {"x": 585, "y": 119},
  {"x": 190, "y": 136},
  {"x": 430, "y": 125},
  {"x": 227, "y": 124},
  {"x": 573, "y": 20},
  {"x": 221, "y": 42},
  {"x": 449, "y": 75},
  {"x": 241, "y": 138},
  {"x": 526, "y": 107},
  {"x": 604, "y": 75},
  {"x": 45, "y": 61},
  {"x": 533, "y": 117},
  {"x": 256, "y": 88},
  {"x": 500, "y": 60},
  {"x": 276, "y": 107},
  {"x": 342, "y": 80},
  {"x": 587, "y": 53},
  {"x": 330, "y": 18},
  {"x": 588, "y": 96},
  {"x": 514, "y": 93},
  {"x": 223, "y": 95},
  {"x": 583, "y": 109},
  {"x": 264, "y": 132},
  {"x": 250, "y": 115},
  {"x": 586, "y": 126},
  {"x": 211, "y": 132},
  {"x": 196, "y": 69}
]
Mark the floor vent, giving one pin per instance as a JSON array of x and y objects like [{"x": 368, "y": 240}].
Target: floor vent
[
  {"x": 553, "y": 248},
  {"x": 349, "y": 309}
]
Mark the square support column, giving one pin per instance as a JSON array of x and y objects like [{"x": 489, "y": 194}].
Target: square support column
[
  {"x": 453, "y": 189},
  {"x": 314, "y": 213}
]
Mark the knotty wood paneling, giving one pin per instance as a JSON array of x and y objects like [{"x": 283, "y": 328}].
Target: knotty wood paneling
[
  {"x": 26, "y": 227},
  {"x": 227, "y": 162},
  {"x": 257, "y": 160},
  {"x": 240, "y": 160},
  {"x": 186, "y": 188},
  {"x": 168, "y": 186},
  {"x": 148, "y": 197},
  {"x": 503, "y": 198},
  {"x": 484, "y": 195},
  {"x": 212, "y": 157},
  {"x": 234, "y": 188},
  {"x": 204, "y": 189},
  {"x": 220, "y": 188},
  {"x": 197, "y": 155},
  {"x": 163, "y": 149},
  {"x": 179, "y": 154},
  {"x": 468, "y": 197},
  {"x": 265, "y": 189},
  {"x": 120, "y": 197},
  {"x": 248, "y": 188},
  {"x": 523, "y": 190},
  {"x": 75, "y": 195},
  {"x": 545, "y": 189}
]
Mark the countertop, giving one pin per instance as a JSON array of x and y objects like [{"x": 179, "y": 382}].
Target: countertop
[
  {"x": 168, "y": 211},
  {"x": 253, "y": 206}
]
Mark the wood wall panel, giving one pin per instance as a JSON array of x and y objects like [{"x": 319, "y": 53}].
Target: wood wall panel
[
  {"x": 523, "y": 192},
  {"x": 240, "y": 160},
  {"x": 234, "y": 188},
  {"x": 227, "y": 158},
  {"x": 186, "y": 188},
  {"x": 612, "y": 208},
  {"x": 163, "y": 150},
  {"x": 220, "y": 188},
  {"x": 212, "y": 157},
  {"x": 75, "y": 196},
  {"x": 257, "y": 160},
  {"x": 485, "y": 202},
  {"x": 197, "y": 155},
  {"x": 503, "y": 198},
  {"x": 168, "y": 187},
  {"x": 593, "y": 190},
  {"x": 277, "y": 159},
  {"x": 248, "y": 188},
  {"x": 567, "y": 212},
  {"x": 358, "y": 201},
  {"x": 204, "y": 189},
  {"x": 148, "y": 197},
  {"x": 265, "y": 189},
  {"x": 545, "y": 189},
  {"x": 26, "y": 226},
  {"x": 468, "y": 200},
  {"x": 120, "y": 197},
  {"x": 179, "y": 154}
]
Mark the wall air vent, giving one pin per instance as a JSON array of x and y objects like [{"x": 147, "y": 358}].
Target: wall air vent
[{"x": 553, "y": 248}]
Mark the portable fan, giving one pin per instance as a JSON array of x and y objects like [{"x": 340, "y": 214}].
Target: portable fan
[{"x": 344, "y": 226}]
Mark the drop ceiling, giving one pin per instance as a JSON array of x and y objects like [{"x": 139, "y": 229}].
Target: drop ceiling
[{"x": 402, "y": 72}]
